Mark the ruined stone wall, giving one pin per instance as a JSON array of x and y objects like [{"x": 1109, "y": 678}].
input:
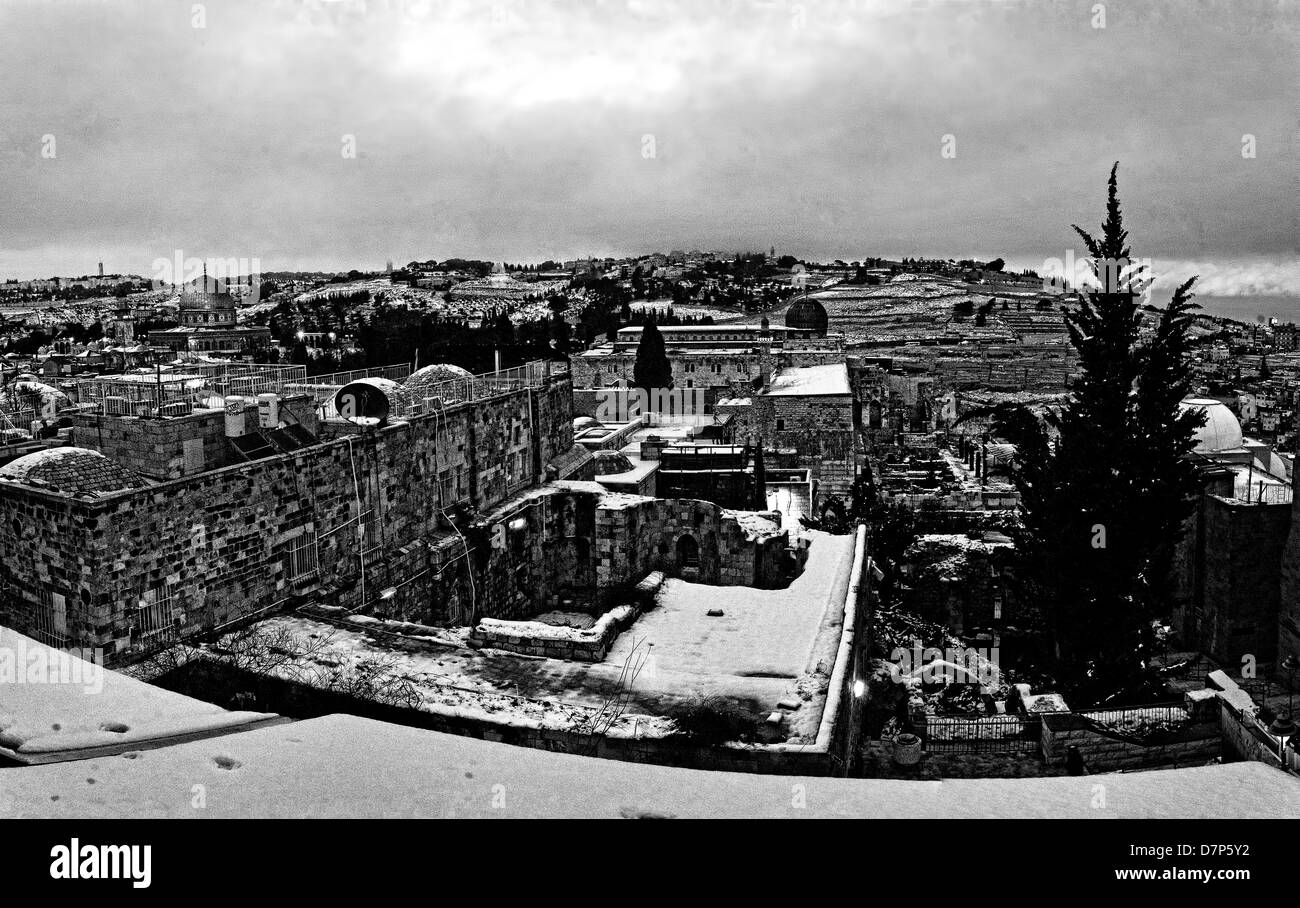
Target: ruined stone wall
[{"x": 634, "y": 539}]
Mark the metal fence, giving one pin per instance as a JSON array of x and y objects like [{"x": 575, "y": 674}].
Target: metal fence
[{"x": 978, "y": 734}]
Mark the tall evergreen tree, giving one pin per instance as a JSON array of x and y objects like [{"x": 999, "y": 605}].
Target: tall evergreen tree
[
  {"x": 1103, "y": 503},
  {"x": 652, "y": 369}
]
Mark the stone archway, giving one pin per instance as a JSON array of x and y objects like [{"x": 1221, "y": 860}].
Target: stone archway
[{"x": 688, "y": 553}]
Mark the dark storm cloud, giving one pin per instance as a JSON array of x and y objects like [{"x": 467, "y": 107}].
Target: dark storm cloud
[{"x": 524, "y": 130}]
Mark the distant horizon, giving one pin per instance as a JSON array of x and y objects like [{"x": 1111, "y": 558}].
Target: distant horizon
[
  {"x": 333, "y": 135},
  {"x": 1215, "y": 279}
]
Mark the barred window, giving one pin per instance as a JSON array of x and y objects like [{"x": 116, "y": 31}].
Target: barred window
[
  {"x": 154, "y": 614},
  {"x": 51, "y": 619},
  {"x": 300, "y": 556}
]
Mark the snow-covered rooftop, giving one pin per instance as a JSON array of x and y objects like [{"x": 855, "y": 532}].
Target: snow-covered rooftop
[
  {"x": 345, "y": 766},
  {"x": 56, "y": 706},
  {"x": 810, "y": 381}
]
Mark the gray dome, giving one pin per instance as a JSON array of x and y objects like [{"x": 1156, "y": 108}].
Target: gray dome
[
  {"x": 807, "y": 314},
  {"x": 431, "y": 381},
  {"x": 608, "y": 462},
  {"x": 78, "y": 471}
]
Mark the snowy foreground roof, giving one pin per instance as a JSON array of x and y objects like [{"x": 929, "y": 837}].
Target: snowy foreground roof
[
  {"x": 55, "y": 706},
  {"x": 345, "y": 766}
]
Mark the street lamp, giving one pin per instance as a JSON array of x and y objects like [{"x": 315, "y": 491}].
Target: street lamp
[
  {"x": 1281, "y": 728},
  {"x": 1290, "y": 664}
]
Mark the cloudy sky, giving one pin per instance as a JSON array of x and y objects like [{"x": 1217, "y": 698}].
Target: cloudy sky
[{"x": 525, "y": 130}]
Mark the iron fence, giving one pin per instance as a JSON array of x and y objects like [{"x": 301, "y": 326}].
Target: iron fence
[{"x": 979, "y": 734}]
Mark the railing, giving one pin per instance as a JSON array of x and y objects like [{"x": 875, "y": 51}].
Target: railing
[{"x": 977, "y": 734}]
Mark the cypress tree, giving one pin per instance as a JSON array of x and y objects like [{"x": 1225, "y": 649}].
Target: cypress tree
[
  {"x": 1103, "y": 503},
  {"x": 652, "y": 369}
]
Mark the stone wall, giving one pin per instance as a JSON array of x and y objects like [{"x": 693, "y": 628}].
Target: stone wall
[
  {"x": 1241, "y": 568},
  {"x": 823, "y": 431},
  {"x": 1288, "y": 632},
  {"x": 175, "y": 446},
  {"x": 1106, "y": 751},
  {"x": 637, "y": 537},
  {"x": 215, "y": 547}
]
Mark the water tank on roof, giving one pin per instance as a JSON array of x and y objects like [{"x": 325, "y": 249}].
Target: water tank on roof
[
  {"x": 268, "y": 410},
  {"x": 236, "y": 425}
]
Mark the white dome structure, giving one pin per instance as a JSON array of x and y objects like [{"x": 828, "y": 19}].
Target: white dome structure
[
  {"x": 443, "y": 382},
  {"x": 1221, "y": 431}
]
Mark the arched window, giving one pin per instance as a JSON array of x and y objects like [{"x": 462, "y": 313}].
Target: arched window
[{"x": 688, "y": 552}]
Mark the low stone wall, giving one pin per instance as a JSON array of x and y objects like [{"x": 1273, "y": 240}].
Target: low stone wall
[
  {"x": 877, "y": 763},
  {"x": 1107, "y": 751},
  {"x": 533, "y": 638}
]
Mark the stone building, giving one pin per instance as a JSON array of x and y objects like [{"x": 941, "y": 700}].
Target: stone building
[
  {"x": 467, "y": 499},
  {"x": 1229, "y": 566},
  {"x": 109, "y": 555},
  {"x": 812, "y": 410},
  {"x": 207, "y": 322}
]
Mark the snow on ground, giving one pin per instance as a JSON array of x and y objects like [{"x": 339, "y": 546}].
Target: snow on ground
[
  {"x": 806, "y": 381},
  {"x": 344, "y": 766},
  {"x": 763, "y": 647},
  {"x": 47, "y": 715},
  {"x": 768, "y": 645}
]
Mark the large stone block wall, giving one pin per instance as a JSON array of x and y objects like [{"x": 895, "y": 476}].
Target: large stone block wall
[
  {"x": 48, "y": 544},
  {"x": 218, "y": 541},
  {"x": 155, "y": 447},
  {"x": 823, "y": 431},
  {"x": 1241, "y": 577},
  {"x": 1288, "y": 632},
  {"x": 736, "y": 369}
]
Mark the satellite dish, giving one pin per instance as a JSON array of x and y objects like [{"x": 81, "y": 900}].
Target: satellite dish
[{"x": 367, "y": 400}]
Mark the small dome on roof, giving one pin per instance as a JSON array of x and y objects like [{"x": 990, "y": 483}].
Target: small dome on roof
[
  {"x": 608, "y": 462},
  {"x": 1221, "y": 431},
  {"x": 425, "y": 382},
  {"x": 25, "y": 391},
  {"x": 78, "y": 471},
  {"x": 586, "y": 422},
  {"x": 807, "y": 314}
]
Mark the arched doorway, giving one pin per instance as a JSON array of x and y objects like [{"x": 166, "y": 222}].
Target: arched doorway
[{"x": 688, "y": 553}]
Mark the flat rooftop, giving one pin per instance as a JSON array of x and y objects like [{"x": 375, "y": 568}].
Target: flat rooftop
[
  {"x": 810, "y": 381},
  {"x": 70, "y": 709},
  {"x": 343, "y": 766},
  {"x": 768, "y": 646}
]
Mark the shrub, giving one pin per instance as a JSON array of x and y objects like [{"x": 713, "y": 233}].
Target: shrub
[{"x": 714, "y": 720}]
